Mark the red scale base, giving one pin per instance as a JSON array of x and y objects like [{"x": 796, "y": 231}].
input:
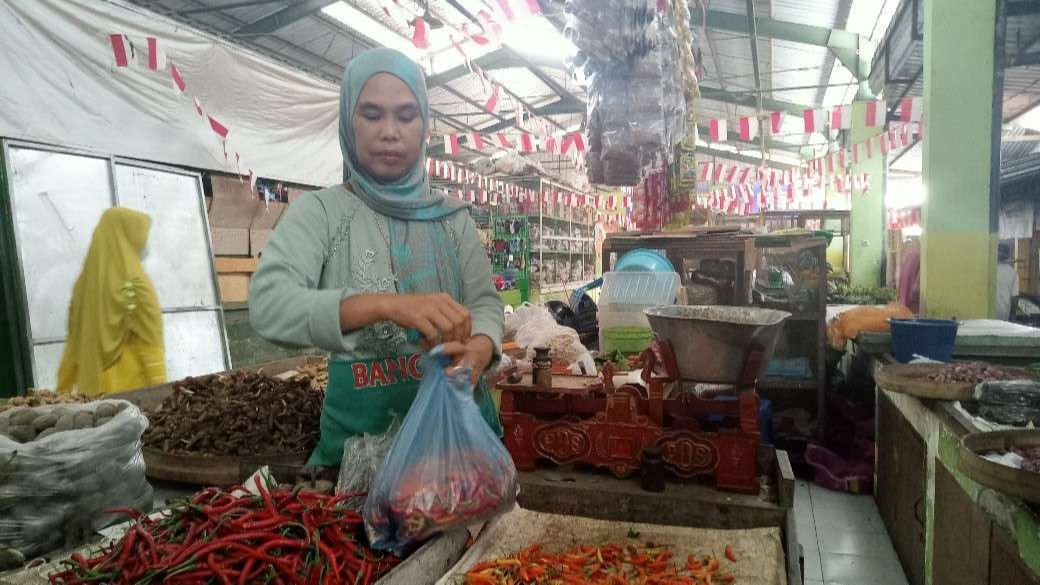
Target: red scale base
[{"x": 585, "y": 419}]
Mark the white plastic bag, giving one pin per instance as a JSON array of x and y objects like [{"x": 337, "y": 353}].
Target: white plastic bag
[
  {"x": 362, "y": 457},
  {"x": 57, "y": 488},
  {"x": 540, "y": 329}
]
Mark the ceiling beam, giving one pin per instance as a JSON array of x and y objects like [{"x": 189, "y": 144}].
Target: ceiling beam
[
  {"x": 282, "y": 18},
  {"x": 1024, "y": 59},
  {"x": 844, "y": 44},
  {"x": 496, "y": 59},
  {"x": 223, "y": 7},
  {"x": 750, "y": 101}
]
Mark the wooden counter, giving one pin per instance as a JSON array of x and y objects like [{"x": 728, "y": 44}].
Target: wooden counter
[{"x": 946, "y": 528}]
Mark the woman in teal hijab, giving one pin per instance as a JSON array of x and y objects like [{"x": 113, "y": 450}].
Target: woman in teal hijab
[{"x": 381, "y": 267}]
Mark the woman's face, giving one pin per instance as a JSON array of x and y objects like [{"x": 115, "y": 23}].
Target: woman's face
[{"x": 388, "y": 128}]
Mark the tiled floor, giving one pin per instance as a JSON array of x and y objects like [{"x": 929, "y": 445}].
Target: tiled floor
[{"x": 843, "y": 539}]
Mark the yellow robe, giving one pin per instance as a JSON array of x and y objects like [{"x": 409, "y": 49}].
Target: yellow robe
[{"x": 115, "y": 340}]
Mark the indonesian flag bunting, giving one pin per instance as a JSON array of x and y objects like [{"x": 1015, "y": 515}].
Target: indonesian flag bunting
[
  {"x": 458, "y": 48},
  {"x": 719, "y": 170},
  {"x": 252, "y": 181},
  {"x": 744, "y": 174},
  {"x": 830, "y": 162},
  {"x": 870, "y": 148},
  {"x": 772, "y": 178},
  {"x": 787, "y": 178},
  {"x": 910, "y": 109},
  {"x": 419, "y": 36},
  {"x": 532, "y": 6},
  {"x": 776, "y": 122},
  {"x": 549, "y": 143},
  {"x": 883, "y": 142},
  {"x": 178, "y": 80},
  {"x": 526, "y": 142},
  {"x": 866, "y": 182},
  {"x": 893, "y": 139},
  {"x": 507, "y": 10},
  {"x": 855, "y": 154},
  {"x": 717, "y": 130},
  {"x": 429, "y": 166},
  {"x": 841, "y": 118},
  {"x": 451, "y": 144},
  {"x": 575, "y": 139},
  {"x": 842, "y": 159},
  {"x": 814, "y": 120},
  {"x": 476, "y": 140},
  {"x": 628, "y": 202},
  {"x": 492, "y": 29},
  {"x": 611, "y": 202},
  {"x": 705, "y": 170},
  {"x": 120, "y": 49},
  {"x": 156, "y": 57},
  {"x": 217, "y": 127},
  {"x": 819, "y": 166},
  {"x": 875, "y": 113},
  {"x": 731, "y": 174},
  {"x": 503, "y": 140},
  {"x": 478, "y": 38},
  {"x": 492, "y": 102},
  {"x": 748, "y": 128},
  {"x": 904, "y": 135}
]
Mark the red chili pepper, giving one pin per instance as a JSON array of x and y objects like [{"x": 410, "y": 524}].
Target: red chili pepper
[{"x": 730, "y": 554}]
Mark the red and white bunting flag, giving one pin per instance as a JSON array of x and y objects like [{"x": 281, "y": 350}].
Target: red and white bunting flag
[
  {"x": 122, "y": 49},
  {"x": 531, "y": 7},
  {"x": 843, "y": 159},
  {"x": 719, "y": 170},
  {"x": 527, "y": 143},
  {"x": 550, "y": 145},
  {"x": 217, "y": 127},
  {"x": 156, "y": 56},
  {"x": 458, "y": 48},
  {"x": 507, "y": 10},
  {"x": 870, "y": 148},
  {"x": 627, "y": 201},
  {"x": 910, "y": 109},
  {"x": 492, "y": 29},
  {"x": 503, "y": 140},
  {"x": 492, "y": 102},
  {"x": 866, "y": 182},
  {"x": 198, "y": 106},
  {"x": 575, "y": 139},
  {"x": 252, "y": 181},
  {"x": 904, "y": 135},
  {"x": 429, "y": 166},
  {"x": 883, "y": 143},
  {"x": 704, "y": 171},
  {"x": 773, "y": 178},
  {"x": 476, "y": 141},
  {"x": 178, "y": 80},
  {"x": 875, "y": 113},
  {"x": 814, "y": 120},
  {"x": 776, "y": 122},
  {"x": 893, "y": 139},
  {"x": 841, "y": 118},
  {"x": 731, "y": 174},
  {"x": 419, "y": 35},
  {"x": 611, "y": 202},
  {"x": 748, "y": 128},
  {"x": 855, "y": 154},
  {"x": 717, "y": 130},
  {"x": 744, "y": 174},
  {"x": 451, "y": 144},
  {"x": 830, "y": 162}
]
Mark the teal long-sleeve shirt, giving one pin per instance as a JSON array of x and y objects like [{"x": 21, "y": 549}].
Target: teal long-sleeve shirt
[{"x": 329, "y": 246}]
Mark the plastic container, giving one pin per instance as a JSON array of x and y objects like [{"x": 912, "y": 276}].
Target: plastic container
[
  {"x": 930, "y": 338},
  {"x": 627, "y": 339},
  {"x": 642, "y": 289},
  {"x": 834, "y": 472}
]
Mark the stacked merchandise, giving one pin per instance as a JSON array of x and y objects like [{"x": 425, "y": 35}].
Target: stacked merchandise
[
  {"x": 637, "y": 104},
  {"x": 510, "y": 255}
]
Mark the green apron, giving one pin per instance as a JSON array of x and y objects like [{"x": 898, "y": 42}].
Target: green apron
[{"x": 362, "y": 397}]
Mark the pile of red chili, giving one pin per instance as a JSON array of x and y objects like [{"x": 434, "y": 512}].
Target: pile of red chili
[
  {"x": 276, "y": 537},
  {"x": 613, "y": 564}
]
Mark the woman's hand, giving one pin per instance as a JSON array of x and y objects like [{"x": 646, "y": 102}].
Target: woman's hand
[{"x": 477, "y": 353}]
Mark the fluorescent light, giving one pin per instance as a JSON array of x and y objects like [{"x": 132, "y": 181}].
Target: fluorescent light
[{"x": 371, "y": 28}]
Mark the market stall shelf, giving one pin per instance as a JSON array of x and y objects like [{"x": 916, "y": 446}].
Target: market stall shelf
[
  {"x": 1019, "y": 483},
  {"x": 916, "y": 380}
]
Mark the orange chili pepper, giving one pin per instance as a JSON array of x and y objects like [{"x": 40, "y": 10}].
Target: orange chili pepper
[
  {"x": 713, "y": 565},
  {"x": 727, "y": 578}
]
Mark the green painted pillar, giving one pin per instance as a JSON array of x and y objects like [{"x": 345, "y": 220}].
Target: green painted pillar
[
  {"x": 867, "y": 229},
  {"x": 958, "y": 258}
]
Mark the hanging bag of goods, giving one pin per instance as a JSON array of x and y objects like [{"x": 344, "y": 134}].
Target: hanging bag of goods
[{"x": 446, "y": 468}]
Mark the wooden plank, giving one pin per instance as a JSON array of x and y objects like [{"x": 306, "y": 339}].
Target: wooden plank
[
  {"x": 265, "y": 217},
  {"x": 961, "y": 532},
  {"x": 233, "y": 265},
  {"x": 1006, "y": 566},
  {"x": 234, "y": 288}
]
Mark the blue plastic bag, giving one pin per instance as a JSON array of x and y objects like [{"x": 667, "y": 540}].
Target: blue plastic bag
[{"x": 446, "y": 467}]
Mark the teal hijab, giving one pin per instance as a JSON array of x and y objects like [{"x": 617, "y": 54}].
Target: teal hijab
[{"x": 423, "y": 253}]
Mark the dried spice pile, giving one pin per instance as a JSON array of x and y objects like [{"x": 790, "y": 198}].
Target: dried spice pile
[
  {"x": 613, "y": 564},
  {"x": 217, "y": 537},
  {"x": 42, "y": 398},
  {"x": 238, "y": 415},
  {"x": 969, "y": 372}
]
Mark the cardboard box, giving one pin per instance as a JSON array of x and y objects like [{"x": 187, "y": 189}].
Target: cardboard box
[
  {"x": 230, "y": 241},
  {"x": 257, "y": 241},
  {"x": 297, "y": 192},
  {"x": 234, "y": 288},
  {"x": 230, "y": 187}
]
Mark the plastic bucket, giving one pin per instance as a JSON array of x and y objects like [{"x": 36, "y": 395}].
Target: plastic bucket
[
  {"x": 930, "y": 338},
  {"x": 628, "y": 340}
]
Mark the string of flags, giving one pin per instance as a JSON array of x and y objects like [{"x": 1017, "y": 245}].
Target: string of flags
[
  {"x": 911, "y": 110},
  {"x": 128, "y": 52},
  {"x": 525, "y": 142},
  {"x": 487, "y": 190}
]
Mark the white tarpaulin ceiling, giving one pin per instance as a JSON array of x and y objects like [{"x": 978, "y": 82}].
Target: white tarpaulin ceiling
[{"x": 61, "y": 86}]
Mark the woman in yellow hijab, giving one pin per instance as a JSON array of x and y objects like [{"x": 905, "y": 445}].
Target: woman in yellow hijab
[{"x": 115, "y": 340}]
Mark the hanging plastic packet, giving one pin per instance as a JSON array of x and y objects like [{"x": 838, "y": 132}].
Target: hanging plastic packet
[
  {"x": 446, "y": 467},
  {"x": 362, "y": 457}
]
